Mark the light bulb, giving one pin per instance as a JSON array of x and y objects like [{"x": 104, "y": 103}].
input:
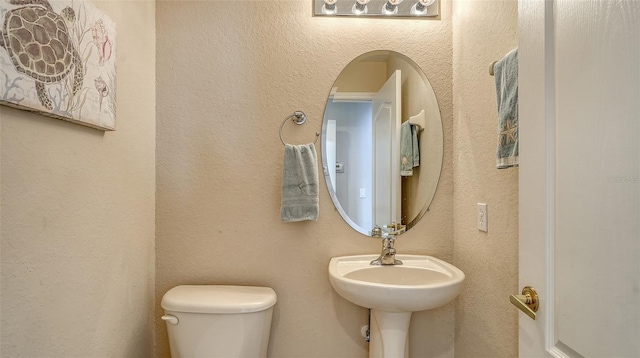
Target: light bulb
[
  {"x": 391, "y": 7},
  {"x": 329, "y": 7},
  {"x": 360, "y": 7},
  {"x": 420, "y": 7}
]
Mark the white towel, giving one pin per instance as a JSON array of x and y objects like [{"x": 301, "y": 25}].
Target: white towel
[
  {"x": 506, "y": 76},
  {"x": 299, "y": 183}
]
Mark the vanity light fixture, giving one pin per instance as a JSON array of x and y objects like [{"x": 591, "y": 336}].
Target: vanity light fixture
[
  {"x": 360, "y": 7},
  {"x": 410, "y": 9}
]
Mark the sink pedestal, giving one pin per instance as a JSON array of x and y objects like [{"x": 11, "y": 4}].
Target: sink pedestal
[{"x": 389, "y": 332}]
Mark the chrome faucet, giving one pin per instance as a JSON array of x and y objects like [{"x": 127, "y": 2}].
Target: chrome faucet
[{"x": 388, "y": 255}]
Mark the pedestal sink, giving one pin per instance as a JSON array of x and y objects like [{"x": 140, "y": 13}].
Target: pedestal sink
[{"x": 393, "y": 293}]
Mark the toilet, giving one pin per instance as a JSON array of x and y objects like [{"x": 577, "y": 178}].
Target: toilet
[{"x": 218, "y": 321}]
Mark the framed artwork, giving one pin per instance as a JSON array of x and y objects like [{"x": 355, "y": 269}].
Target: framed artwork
[{"x": 58, "y": 59}]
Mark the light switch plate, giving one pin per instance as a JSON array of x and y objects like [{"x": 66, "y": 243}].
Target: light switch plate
[{"x": 483, "y": 223}]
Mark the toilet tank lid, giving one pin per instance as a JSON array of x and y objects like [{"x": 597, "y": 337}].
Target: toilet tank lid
[{"x": 218, "y": 299}]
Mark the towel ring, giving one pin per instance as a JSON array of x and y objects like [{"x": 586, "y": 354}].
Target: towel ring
[{"x": 298, "y": 117}]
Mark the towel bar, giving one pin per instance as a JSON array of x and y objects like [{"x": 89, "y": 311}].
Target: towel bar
[
  {"x": 418, "y": 120},
  {"x": 298, "y": 117},
  {"x": 491, "y": 67}
]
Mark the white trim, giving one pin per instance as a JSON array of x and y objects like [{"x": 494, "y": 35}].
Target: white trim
[
  {"x": 549, "y": 59},
  {"x": 353, "y": 96},
  {"x": 534, "y": 169}
]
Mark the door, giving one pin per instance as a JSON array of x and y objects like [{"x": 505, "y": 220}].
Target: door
[
  {"x": 386, "y": 152},
  {"x": 330, "y": 145},
  {"x": 579, "y": 175}
]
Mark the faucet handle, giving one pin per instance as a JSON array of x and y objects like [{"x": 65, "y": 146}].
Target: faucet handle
[{"x": 376, "y": 232}]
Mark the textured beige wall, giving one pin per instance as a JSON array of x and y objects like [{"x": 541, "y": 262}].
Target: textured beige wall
[
  {"x": 362, "y": 77},
  {"x": 228, "y": 72},
  {"x": 77, "y": 236},
  {"x": 486, "y": 323}
]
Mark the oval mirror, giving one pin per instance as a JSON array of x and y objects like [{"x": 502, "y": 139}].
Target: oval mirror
[{"x": 382, "y": 142}]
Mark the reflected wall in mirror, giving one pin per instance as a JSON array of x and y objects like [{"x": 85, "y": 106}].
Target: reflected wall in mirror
[{"x": 380, "y": 170}]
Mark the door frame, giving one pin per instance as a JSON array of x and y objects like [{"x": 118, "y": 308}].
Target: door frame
[{"x": 536, "y": 92}]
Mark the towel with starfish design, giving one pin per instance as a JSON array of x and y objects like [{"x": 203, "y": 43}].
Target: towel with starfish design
[{"x": 506, "y": 76}]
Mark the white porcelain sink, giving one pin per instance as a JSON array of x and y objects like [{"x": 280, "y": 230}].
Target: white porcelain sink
[{"x": 393, "y": 293}]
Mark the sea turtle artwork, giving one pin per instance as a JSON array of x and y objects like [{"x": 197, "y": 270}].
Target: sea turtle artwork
[
  {"x": 39, "y": 45},
  {"x": 48, "y": 49}
]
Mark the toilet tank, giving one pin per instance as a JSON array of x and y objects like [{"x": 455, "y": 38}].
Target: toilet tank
[{"x": 218, "y": 321}]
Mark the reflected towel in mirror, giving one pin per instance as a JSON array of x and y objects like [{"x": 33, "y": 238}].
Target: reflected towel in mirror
[
  {"x": 409, "y": 149},
  {"x": 299, "y": 183}
]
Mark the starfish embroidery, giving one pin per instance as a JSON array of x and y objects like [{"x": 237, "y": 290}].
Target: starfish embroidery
[{"x": 509, "y": 132}]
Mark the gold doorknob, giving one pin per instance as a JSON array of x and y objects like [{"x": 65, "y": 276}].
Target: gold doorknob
[{"x": 527, "y": 302}]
